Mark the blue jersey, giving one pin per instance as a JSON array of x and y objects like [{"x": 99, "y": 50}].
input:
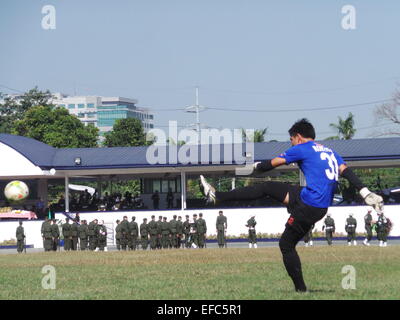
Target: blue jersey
[{"x": 320, "y": 166}]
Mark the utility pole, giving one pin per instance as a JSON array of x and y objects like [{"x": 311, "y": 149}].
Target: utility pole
[{"x": 196, "y": 109}]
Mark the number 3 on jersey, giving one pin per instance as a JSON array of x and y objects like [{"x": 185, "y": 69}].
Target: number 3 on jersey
[{"x": 333, "y": 172}]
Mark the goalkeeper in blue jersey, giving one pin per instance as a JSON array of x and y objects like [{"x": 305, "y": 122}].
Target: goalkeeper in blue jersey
[{"x": 321, "y": 167}]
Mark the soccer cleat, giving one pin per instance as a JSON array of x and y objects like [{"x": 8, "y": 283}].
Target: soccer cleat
[
  {"x": 381, "y": 243},
  {"x": 311, "y": 243},
  {"x": 255, "y": 246},
  {"x": 349, "y": 244},
  {"x": 355, "y": 242},
  {"x": 249, "y": 245},
  {"x": 384, "y": 244},
  {"x": 105, "y": 249},
  {"x": 208, "y": 190}
]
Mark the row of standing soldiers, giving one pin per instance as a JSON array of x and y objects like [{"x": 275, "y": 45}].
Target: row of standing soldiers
[
  {"x": 161, "y": 234},
  {"x": 382, "y": 227},
  {"x": 92, "y": 236},
  {"x": 158, "y": 234}
]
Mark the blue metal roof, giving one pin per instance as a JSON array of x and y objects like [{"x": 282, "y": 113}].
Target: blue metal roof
[
  {"x": 37, "y": 152},
  {"x": 130, "y": 157}
]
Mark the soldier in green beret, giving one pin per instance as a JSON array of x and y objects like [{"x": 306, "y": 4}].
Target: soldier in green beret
[
  {"x": 186, "y": 231},
  {"x": 74, "y": 235},
  {"x": 201, "y": 230},
  {"x": 92, "y": 234},
  {"x": 133, "y": 234},
  {"x": 152, "y": 227},
  {"x": 179, "y": 232},
  {"x": 83, "y": 232},
  {"x": 118, "y": 235},
  {"x": 174, "y": 233},
  {"x": 144, "y": 234},
  {"x": 20, "y": 234},
  {"x": 222, "y": 225},
  {"x": 66, "y": 232},
  {"x": 55, "y": 231}
]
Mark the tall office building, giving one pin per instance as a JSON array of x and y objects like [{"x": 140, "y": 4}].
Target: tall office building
[{"x": 104, "y": 111}]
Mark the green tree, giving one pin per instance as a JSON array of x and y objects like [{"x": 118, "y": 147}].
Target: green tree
[
  {"x": 345, "y": 128},
  {"x": 56, "y": 127},
  {"x": 126, "y": 133},
  {"x": 13, "y": 109},
  {"x": 258, "y": 136}
]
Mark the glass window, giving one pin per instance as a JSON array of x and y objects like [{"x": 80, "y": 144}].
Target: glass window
[
  {"x": 90, "y": 105},
  {"x": 165, "y": 186},
  {"x": 71, "y": 106},
  {"x": 81, "y": 115},
  {"x": 62, "y": 105},
  {"x": 172, "y": 185},
  {"x": 81, "y": 105},
  {"x": 156, "y": 185}
]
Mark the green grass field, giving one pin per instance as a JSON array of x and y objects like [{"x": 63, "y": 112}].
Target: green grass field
[{"x": 207, "y": 274}]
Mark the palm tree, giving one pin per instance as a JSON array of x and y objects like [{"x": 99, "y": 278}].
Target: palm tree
[
  {"x": 345, "y": 128},
  {"x": 258, "y": 135}
]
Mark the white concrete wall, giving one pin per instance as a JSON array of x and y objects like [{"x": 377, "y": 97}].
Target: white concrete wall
[
  {"x": 32, "y": 231},
  {"x": 269, "y": 220}
]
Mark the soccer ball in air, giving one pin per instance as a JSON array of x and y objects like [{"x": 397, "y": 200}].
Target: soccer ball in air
[{"x": 16, "y": 191}]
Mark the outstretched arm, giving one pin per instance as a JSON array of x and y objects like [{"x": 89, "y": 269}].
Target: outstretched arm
[
  {"x": 268, "y": 165},
  {"x": 369, "y": 197}
]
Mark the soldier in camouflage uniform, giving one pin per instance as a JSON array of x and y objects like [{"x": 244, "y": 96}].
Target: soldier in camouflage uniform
[
  {"x": 74, "y": 235},
  {"x": 350, "y": 227},
  {"x": 42, "y": 229},
  {"x": 368, "y": 228},
  {"x": 48, "y": 236},
  {"x": 159, "y": 222},
  {"x": 55, "y": 231},
  {"x": 118, "y": 235},
  {"x": 179, "y": 232},
  {"x": 20, "y": 234},
  {"x": 125, "y": 233},
  {"x": 382, "y": 230},
  {"x": 144, "y": 234},
  {"x": 201, "y": 231},
  {"x": 194, "y": 240},
  {"x": 92, "y": 235},
  {"x": 174, "y": 233},
  {"x": 83, "y": 233},
  {"x": 133, "y": 234},
  {"x": 222, "y": 225},
  {"x": 152, "y": 227},
  {"x": 186, "y": 231},
  {"x": 251, "y": 224},
  {"x": 165, "y": 233},
  {"x": 329, "y": 227},
  {"x": 101, "y": 232},
  {"x": 66, "y": 232}
]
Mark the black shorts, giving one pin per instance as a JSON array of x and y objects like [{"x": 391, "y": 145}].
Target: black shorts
[{"x": 302, "y": 216}]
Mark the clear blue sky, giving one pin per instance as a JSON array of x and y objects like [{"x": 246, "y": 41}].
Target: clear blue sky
[{"x": 253, "y": 54}]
